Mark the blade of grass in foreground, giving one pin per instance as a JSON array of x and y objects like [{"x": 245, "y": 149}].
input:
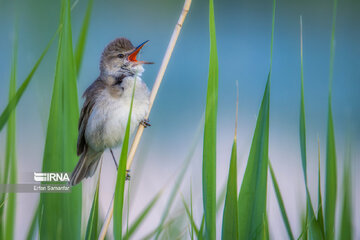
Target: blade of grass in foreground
[
  {"x": 10, "y": 152},
  {"x": 302, "y": 126},
  {"x": 303, "y": 235},
  {"x": 320, "y": 214},
  {"x": 346, "y": 231},
  {"x": 265, "y": 228},
  {"x": 92, "y": 225},
  {"x": 252, "y": 197},
  {"x": 331, "y": 180},
  {"x": 16, "y": 98},
  {"x": 230, "y": 214},
  {"x": 281, "y": 203},
  {"x": 331, "y": 174},
  {"x": 80, "y": 46},
  {"x": 230, "y": 217},
  {"x": 209, "y": 148},
  {"x": 121, "y": 177},
  {"x": 219, "y": 202},
  {"x": 60, "y": 214},
  {"x": 314, "y": 227}
]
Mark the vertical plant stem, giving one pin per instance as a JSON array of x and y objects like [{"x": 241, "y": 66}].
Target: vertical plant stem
[
  {"x": 230, "y": 213},
  {"x": 331, "y": 172},
  {"x": 314, "y": 229},
  {"x": 92, "y": 225},
  {"x": 253, "y": 191},
  {"x": 121, "y": 177},
  {"x": 60, "y": 153},
  {"x": 209, "y": 146},
  {"x": 154, "y": 91},
  {"x": 159, "y": 78}
]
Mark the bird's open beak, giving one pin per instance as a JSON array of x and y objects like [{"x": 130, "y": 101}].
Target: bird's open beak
[{"x": 133, "y": 54}]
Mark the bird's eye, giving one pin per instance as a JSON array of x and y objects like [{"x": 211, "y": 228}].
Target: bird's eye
[{"x": 121, "y": 55}]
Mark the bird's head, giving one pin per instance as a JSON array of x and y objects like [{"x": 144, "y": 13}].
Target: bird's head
[{"x": 119, "y": 58}]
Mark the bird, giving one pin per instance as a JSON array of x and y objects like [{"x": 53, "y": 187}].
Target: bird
[{"x": 106, "y": 107}]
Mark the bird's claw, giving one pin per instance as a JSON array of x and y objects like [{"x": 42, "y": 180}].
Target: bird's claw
[
  {"x": 127, "y": 178},
  {"x": 145, "y": 122}
]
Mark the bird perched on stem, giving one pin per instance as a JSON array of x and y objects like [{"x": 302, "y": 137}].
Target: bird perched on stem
[{"x": 104, "y": 115}]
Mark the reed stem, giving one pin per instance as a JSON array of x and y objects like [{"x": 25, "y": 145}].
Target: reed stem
[{"x": 153, "y": 94}]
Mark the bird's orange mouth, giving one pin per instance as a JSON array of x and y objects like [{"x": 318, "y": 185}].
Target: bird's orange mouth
[{"x": 133, "y": 54}]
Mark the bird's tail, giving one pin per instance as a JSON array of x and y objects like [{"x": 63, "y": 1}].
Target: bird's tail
[{"x": 86, "y": 167}]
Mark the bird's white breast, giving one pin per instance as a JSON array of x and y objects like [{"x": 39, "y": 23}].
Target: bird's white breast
[{"x": 107, "y": 122}]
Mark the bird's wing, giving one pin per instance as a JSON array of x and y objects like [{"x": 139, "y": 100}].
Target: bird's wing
[{"x": 90, "y": 99}]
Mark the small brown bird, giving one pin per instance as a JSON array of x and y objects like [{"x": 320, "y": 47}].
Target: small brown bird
[{"x": 106, "y": 108}]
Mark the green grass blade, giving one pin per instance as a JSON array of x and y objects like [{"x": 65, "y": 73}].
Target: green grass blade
[
  {"x": 139, "y": 220},
  {"x": 252, "y": 196},
  {"x": 230, "y": 217},
  {"x": 121, "y": 177},
  {"x": 60, "y": 153},
  {"x": 320, "y": 214},
  {"x": 281, "y": 203},
  {"x": 220, "y": 200},
  {"x": 331, "y": 180},
  {"x": 32, "y": 228},
  {"x": 209, "y": 148},
  {"x": 92, "y": 225},
  {"x": 314, "y": 227},
  {"x": 311, "y": 228},
  {"x": 201, "y": 229},
  {"x": 191, "y": 219},
  {"x": 331, "y": 173},
  {"x": 346, "y": 230},
  {"x": 16, "y": 98},
  {"x": 10, "y": 152},
  {"x": 303, "y": 235},
  {"x": 302, "y": 127},
  {"x": 265, "y": 229},
  {"x": 81, "y": 43}
]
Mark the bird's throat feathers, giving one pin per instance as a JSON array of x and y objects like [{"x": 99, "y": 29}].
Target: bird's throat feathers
[
  {"x": 135, "y": 70},
  {"x": 138, "y": 70}
]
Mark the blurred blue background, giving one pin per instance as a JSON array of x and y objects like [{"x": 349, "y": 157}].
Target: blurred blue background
[{"x": 243, "y": 38}]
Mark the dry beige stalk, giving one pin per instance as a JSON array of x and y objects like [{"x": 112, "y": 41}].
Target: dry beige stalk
[
  {"x": 159, "y": 78},
  {"x": 154, "y": 91}
]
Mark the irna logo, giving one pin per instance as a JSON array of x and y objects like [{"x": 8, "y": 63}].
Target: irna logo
[{"x": 51, "y": 177}]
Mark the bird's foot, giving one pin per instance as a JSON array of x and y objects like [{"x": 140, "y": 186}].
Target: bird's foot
[
  {"x": 127, "y": 178},
  {"x": 145, "y": 122}
]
